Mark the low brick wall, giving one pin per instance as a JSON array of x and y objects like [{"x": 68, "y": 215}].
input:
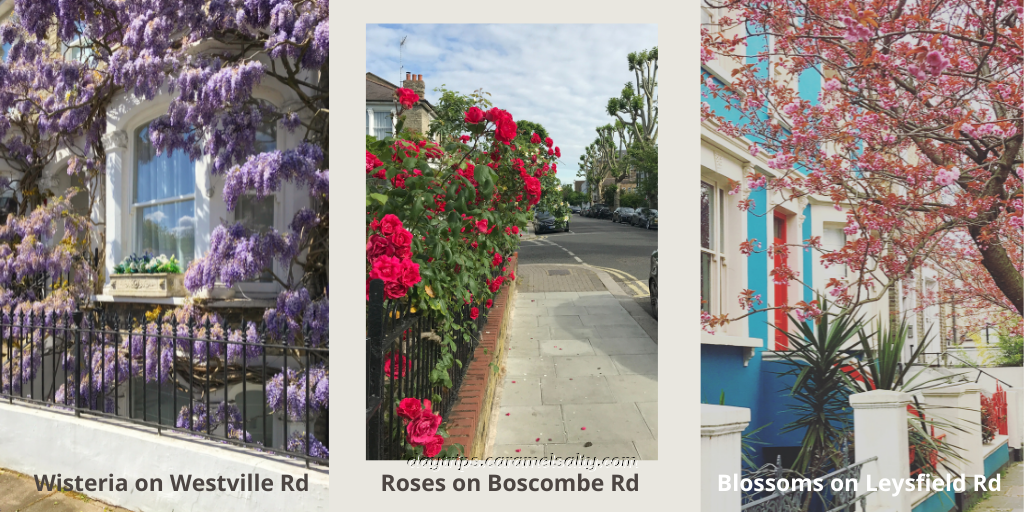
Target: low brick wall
[{"x": 469, "y": 420}]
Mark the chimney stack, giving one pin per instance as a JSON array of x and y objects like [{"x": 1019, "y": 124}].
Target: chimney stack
[{"x": 415, "y": 82}]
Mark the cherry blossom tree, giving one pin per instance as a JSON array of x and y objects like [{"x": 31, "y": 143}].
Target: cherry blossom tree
[{"x": 916, "y": 134}]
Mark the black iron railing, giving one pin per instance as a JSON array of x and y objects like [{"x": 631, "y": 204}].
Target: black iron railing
[
  {"x": 403, "y": 354},
  {"x": 225, "y": 383}
]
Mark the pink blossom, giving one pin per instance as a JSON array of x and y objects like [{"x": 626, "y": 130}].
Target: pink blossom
[{"x": 947, "y": 177}]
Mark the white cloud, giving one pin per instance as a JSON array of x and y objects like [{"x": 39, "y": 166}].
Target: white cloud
[
  {"x": 156, "y": 217},
  {"x": 560, "y": 76}
]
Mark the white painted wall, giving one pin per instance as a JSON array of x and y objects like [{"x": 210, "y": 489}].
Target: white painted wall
[
  {"x": 721, "y": 430},
  {"x": 38, "y": 441}
]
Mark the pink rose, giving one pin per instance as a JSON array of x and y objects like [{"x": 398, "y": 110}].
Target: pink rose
[
  {"x": 535, "y": 139},
  {"x": 378, "y": 246},
  {"x": 410, "y": 273},
  {"x": 401, "y": 364},
  {"x": 409, "y": 408},
  {"x": 395, "y": 290},
  {"x": 401, "y": 238},
  {"x": 474, "y": 115},
  {"x": 389, "y": 224},
  {"x": 386, "y": 268},
  {"x": 407, "y": 97},
  {"x": 422, "y": 429},
  {"x": 432, "y": 448},
  {"x": 481, "y": 225}
]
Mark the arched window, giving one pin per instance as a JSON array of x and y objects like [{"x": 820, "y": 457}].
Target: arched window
[{"x": 163, "y": 201}]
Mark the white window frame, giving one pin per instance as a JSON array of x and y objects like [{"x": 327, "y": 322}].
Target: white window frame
[
  {"x": 131, "y": 234},
  {"x": 835, "y": 226},
  {"x": 256, "y": 289},
  {"x": 717, "y": 250},
  {"x": 371, "y": 110}
]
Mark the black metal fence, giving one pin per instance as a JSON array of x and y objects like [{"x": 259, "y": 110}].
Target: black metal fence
[
  {"x": 220, "y": 382},
  {"x": 403, "y": 351}
]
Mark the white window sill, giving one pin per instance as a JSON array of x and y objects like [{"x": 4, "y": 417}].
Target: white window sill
[{"x": 732, "y": 341}]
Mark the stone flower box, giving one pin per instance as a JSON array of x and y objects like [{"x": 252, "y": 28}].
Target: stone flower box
[{"x": 147, "y": 285}]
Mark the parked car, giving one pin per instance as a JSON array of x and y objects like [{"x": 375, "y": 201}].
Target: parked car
[
  {"x": 652, "y": 283},
  {"x": 644, "y": 217},
  {"x": 602, "y": 212},
  {"x": 544, "y": 221},
  {"x": 592, "y": 212},
  {"x": 575, "y": 209},
  {"x": 621, "y": 214}
]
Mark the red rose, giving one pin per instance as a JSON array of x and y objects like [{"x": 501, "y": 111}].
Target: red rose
[
  {"x": 433, "y": 448},
  {"x": 512, "y": 276},
  {"x": 409, "y": 408},
  {"x": 554, "y": 167},
  {"x": 489, "y": 304},
  {"x": 482, "y": 226},
  {"x": 515, "y": 229},
  {"x": 389, "y": 224},
  {"x": 533, "y": 189},
  {"x": 496, "y": 284},
  {"x": 372, "y": 162},
  {"x": 474, "y": 313},
  {"x": 548, "y": 142},
  {"x": 386, "y": 268},
  {"x": 402, "y": 237},
  {"x": 496, "y": 261},
  {"x": 401, "y": 364},
  {"x": 535, "y": 139},
  {"x": 407, "y": 97},
  {"x": 410, "y": 273},
  {"x": 422, "y": 429},
  {"x": 551, "y": 152},
  {"x": 464, "y": 138},
  {"x": 378, "y": 246},
  {"x": 395, "y": 290},
  {"x": 474, "y": 115},
  {"x": 558, "y": 152},
  {"x": 505, "y": 129}
]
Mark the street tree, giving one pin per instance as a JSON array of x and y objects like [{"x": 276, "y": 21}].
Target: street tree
[{"x": 916, "y": 133}]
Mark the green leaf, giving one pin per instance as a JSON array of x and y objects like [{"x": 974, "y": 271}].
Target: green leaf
[{"x": 380, "y": 198}]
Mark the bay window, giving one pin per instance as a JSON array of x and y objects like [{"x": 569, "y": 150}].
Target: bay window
[{"x": 163, "y": 201}]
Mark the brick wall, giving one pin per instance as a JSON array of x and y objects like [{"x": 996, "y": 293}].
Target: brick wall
[{"x": 468, "y": 422}]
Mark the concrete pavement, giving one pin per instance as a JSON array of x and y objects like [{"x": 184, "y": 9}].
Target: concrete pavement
[
  {"x": 18, "y": 494},
  {"x": 581, "y": 376},
  {"x": 1011, "y": 497}
]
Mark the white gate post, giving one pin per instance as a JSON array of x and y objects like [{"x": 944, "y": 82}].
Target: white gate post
[
  {"x": 943, "y": 406},
  {"x": 880, "y": 430},
  {"x": 970, "y": 414},
  {"x": 1013, "y": 419},
  {"x": 721, "y": 435}
]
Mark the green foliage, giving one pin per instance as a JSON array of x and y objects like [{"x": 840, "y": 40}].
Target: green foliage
[
  {"x": 148, "y": 264},
  {"x": 578, "y": 198},
  {"x": 525, "y": 130},
  {"x": 608, "y": 195},
  {"x": 451, "y": 107},
  {"x": 631, "y": 200},
  {"x": 1012, "y": 348}
]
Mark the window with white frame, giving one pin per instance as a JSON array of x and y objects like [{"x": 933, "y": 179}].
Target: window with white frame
[
  {"x": 382, "y": 124},
  {"x": 257, "y": 213},
  {"x": 712, "y": 247},
  {"x": 163, "y": 201},
  {"x": 833, "y": 238}
]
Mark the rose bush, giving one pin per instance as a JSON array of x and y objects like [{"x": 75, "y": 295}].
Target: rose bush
[{"x": 443, "y": 217}]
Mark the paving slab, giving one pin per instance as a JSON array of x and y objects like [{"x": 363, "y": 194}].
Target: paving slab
[
  {"x": 633, "y": 388},
  {"x": 602, "y": 321},
  {"x": 524, "y": 424},
  {"x": 648, "y": 450},
  {"x": 578, "y": 366},
  {"x": 576, "y": 390},
  {"x": 623, "y": 346},
  {"x": 533, "y": 366},
  {"x": 620, "y": 422},
  {"x": 566, "y": 348},
  {"x": 641, "y": 364},
  {"x": 521, "y": 391},
  {"x": 567, "y": 309},
  {"x": 599, "y": 450},
  {"x": 649, "y": 410},
  {"x": 525, "y": 450},
  {"x": 561, "y": 321}
]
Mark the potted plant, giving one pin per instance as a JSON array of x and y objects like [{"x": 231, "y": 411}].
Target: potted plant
[{"x": 147, "y": 276}]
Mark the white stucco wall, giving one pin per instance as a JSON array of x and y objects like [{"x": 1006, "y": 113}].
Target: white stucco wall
[{"x": 43, "y": 442}]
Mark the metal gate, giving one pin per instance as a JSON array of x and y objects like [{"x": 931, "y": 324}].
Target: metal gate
[{"x": 793, "y": 499}]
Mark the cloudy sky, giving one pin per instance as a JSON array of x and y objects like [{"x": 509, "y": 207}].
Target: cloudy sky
[{"x": 559, "y": 76}]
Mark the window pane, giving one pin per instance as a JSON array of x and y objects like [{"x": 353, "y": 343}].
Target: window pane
[
  {"x": 159, "y": 177},
  {"x": 266, "y": 138},
  {"x": 256, "y": 214},
  {"x": 168, "y": 229},
  {"x": 382, "y": 124},
  {"x": 833, "y": 239},
  {"x": 705, "y": 282},
  {"x": 707, "y": 200}
]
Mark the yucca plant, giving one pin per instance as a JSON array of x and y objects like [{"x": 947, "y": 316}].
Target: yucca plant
[{"x": 817, "y": 359}]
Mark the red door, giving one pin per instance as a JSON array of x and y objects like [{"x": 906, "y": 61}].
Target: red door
[{"x": 781, "y": 290}]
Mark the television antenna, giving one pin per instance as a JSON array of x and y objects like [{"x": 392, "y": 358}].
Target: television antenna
[{"x": 401, "y": 68}]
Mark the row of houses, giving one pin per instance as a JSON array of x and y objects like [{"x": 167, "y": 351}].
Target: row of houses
[{"x": 740, "y": 360}]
